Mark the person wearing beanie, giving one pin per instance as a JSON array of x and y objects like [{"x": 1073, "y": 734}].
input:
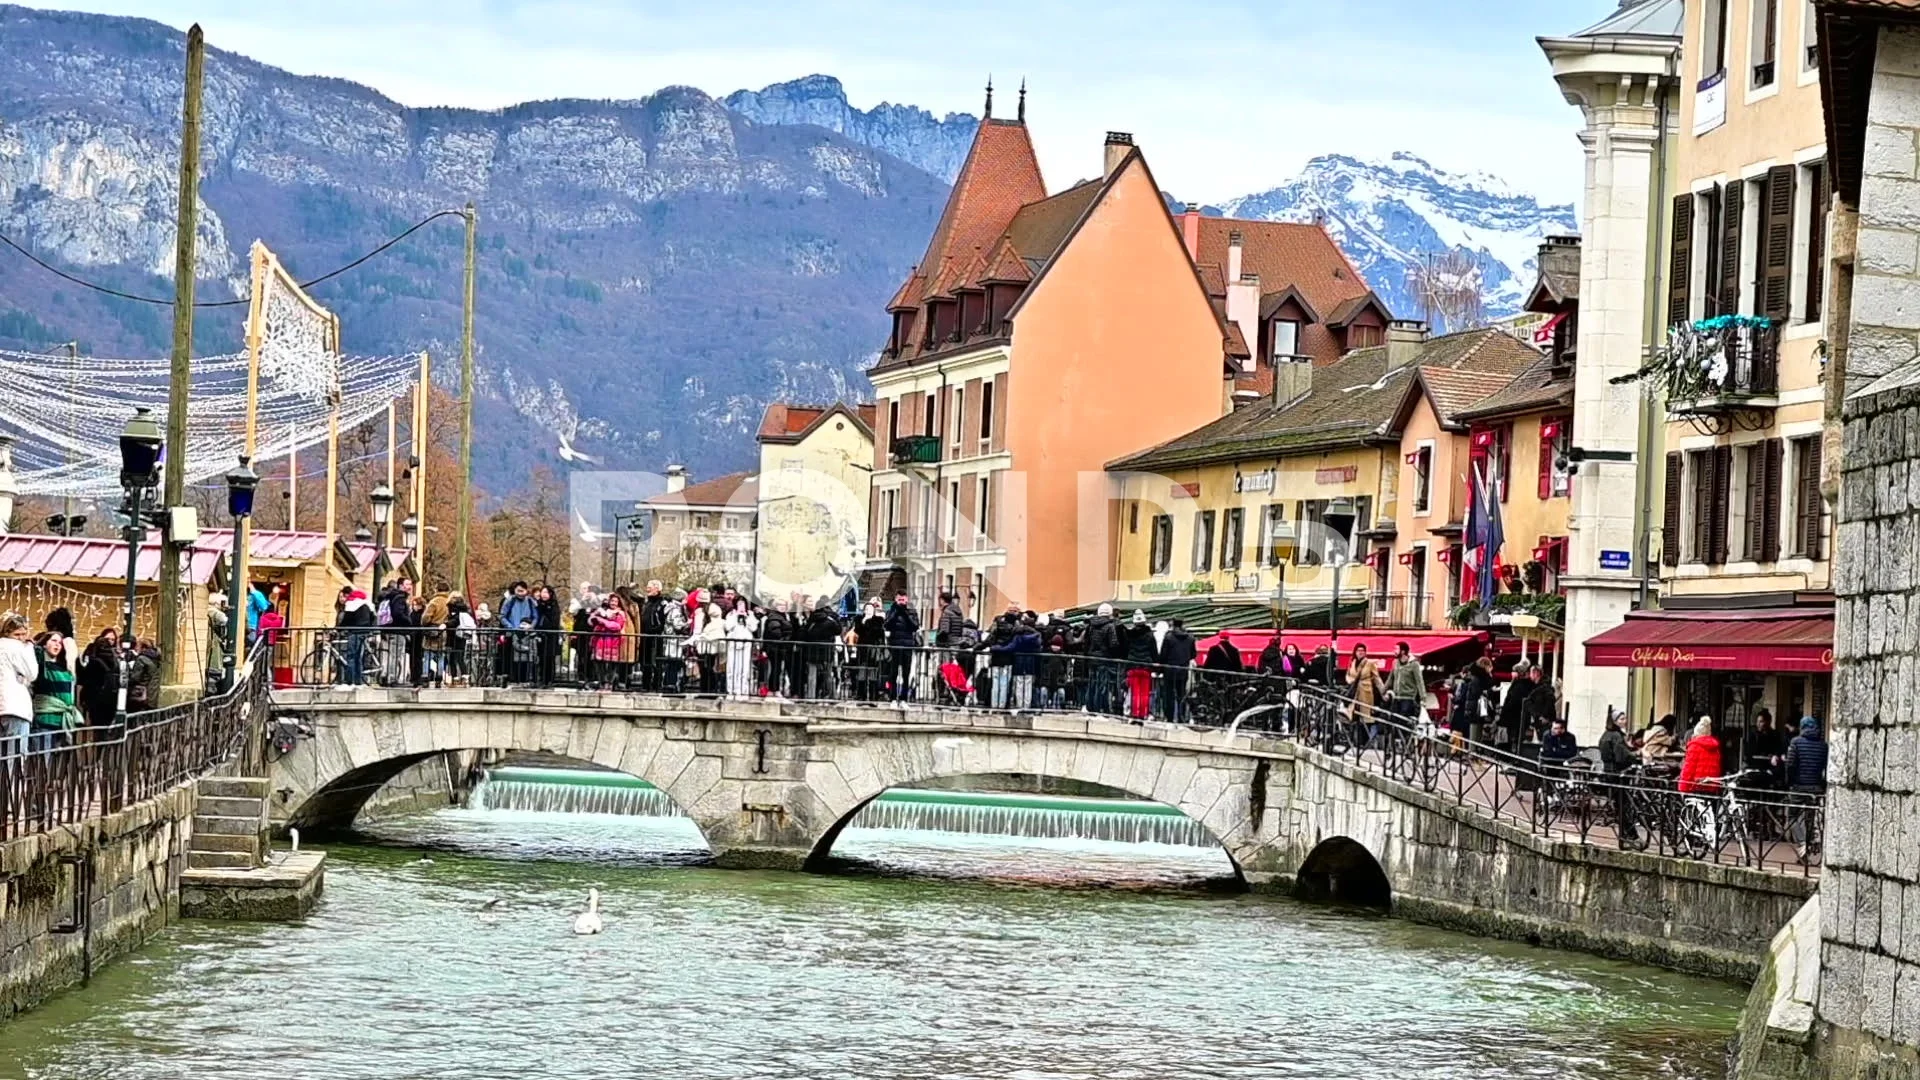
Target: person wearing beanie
[
  {"x": 1142, "y": 652},
  {"x": 1101, "y": 647},
  {"x": 355, "y": 622}
]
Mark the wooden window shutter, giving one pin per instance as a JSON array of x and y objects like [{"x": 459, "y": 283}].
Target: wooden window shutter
[
  {"x": 1000, "y": 405},
  {"x": 1771, "y": 503},
  {"x": 1816, "y": 275},
  {"x": 1680, "y": 265},
  {"x": 1732, "y": 206},
  {"x": 1775, "y": 298},
  {"x": 1546, "y": 463},
  {"x": 1721, "y": 504},
  {"x": 969, "y": 511},
  {"x": 1756, "y": 498},
  {"x": 1810, "y": 504},
  {"x": 1670, "y": 517}
]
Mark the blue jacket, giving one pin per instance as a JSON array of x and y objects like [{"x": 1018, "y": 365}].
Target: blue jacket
[
  {"x": 1807, "y": 762},
  {"x": 1023, "y": 650},
  {"x": 515, "y": 610},
  {"x": 256, "y": 606}
]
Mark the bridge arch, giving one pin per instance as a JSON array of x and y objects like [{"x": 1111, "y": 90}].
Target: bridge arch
[
  {"x": 1340, "y": 870},
  {"x": 1216, "y": 791}
]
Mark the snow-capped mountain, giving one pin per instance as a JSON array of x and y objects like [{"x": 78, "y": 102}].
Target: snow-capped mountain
[{"x": 1391, "y": 215}]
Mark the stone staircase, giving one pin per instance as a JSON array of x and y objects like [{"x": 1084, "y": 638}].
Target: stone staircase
[{"x": 229, "y": 824}]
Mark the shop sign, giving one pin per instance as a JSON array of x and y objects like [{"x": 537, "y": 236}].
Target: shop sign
[
  {"x": 1176, "y": 588},
  {"x": 1260, "y": 481},
  {"x": 1185, "y": 491},
  {"x": 1339, "y": 474}
]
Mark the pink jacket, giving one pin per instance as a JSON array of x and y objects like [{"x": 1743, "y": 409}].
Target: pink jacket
[{"x": 607, "y": 624}]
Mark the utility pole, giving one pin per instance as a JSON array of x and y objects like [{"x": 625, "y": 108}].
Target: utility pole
[
  {"x": 466, "y": 414},
  {"x": 180, "y": 375}
]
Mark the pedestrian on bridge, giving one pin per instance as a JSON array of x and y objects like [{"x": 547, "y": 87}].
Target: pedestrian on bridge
[{"x": 18, "y": 670}]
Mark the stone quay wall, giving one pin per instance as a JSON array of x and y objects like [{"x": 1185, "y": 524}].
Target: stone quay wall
[
  {"x": 1451, "y": 866},
  {"x": 136, "y": 857},
  {"x": 1869, "y": 1001}
]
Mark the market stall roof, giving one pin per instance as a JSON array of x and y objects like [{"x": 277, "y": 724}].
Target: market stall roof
[
  {"x": 1776, "y": 640},
  {"x": 28, "y": 555}
]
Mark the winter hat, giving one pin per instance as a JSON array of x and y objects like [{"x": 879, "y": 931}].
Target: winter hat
[
  {"x": 1809, "y": 726},
  {"x": 1106, "y": 609},
  {"x": 1139, "y": 617},
  {"x": 1058, "y": 642}
]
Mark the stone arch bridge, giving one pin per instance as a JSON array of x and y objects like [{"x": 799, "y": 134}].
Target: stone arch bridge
[{"x": 771, "y": 783}]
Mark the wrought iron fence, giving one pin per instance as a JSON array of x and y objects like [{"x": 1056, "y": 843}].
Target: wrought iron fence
[
  {"x": 1743, "y": 821},
  {"x": 89, "y": 771}
]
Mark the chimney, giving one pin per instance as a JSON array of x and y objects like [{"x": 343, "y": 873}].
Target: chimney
[
  {"x": 1560, "y": 258},
  {"x": 676, "y": 478},
  {"x": 1233, "y": 255},
  {"x": 1190, "y": 230},
  {"x": 1404, "y": 339},
  {"x": 1119, "y": 143},
  {"x": 1292, "y": 378}
]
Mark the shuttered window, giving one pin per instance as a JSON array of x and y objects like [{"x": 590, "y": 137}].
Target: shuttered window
[
  {"x": 1808, "y": 508},
  {"x": 1816, "y": 275},
  {"x": 1699, "y": 512},
  {"x": 1732, "y": 209},
  {"x": 1710, "y": 205},
  {"x": 1721, "y": 505},
  {"x": 1773, "y": 294},
  {"x": 1680, "y": 263},
  {"x": 1670, "y": 518},
  {"x": 1762, "y": 462}
]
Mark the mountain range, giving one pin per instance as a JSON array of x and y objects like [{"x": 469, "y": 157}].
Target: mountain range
[{"x": 652, "y": 272}]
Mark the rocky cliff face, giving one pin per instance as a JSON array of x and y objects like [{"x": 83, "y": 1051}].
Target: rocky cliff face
[
  {"x": 914, "y": 135},
  {"x": 652, "y": 271},
  {"x": 1388, "y": 215}
]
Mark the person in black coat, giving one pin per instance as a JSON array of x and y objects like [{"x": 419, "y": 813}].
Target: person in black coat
[
  {"x": 1142, "y": 652},
  {"x": 1543, "y": 702},
  {"x": 1177, "y": 652},
  {"x": 99, "y": 679},
  {"x": 653, "y": 629},
  {"x": 903, "y": 635},
  {"x": 1513, "y": 708},
  {"x": 821, "y": 633},
  {"x": 776, "y": 631}
]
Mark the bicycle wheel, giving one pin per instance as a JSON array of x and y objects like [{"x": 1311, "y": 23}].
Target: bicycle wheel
[
  {"x": 315, "y": 669},
  {"x": 1694, "y": 830},
  {"x": 1544, "y": 797},
  {"x": 1427, "y": 762}
]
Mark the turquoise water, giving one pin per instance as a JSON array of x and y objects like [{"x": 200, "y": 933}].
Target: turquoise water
[{"x": 971, "y": 957}]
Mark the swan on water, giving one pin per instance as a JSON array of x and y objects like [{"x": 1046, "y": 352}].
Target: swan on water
[
  {"x": 588, "y": 921},
  {"x": 496, "y": 902}
]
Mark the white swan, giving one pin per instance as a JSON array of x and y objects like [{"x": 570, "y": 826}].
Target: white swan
[{"x": 588, "y": 921}]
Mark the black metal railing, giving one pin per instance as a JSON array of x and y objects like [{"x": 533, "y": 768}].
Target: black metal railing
[
  {"x": 1724, "y": 362},
  {"x": 911, "y": 540},
  {"x": 1746, "y": 822},
  {"x": 1399, "y": 611},
  {"x": 53, "y": 779}
]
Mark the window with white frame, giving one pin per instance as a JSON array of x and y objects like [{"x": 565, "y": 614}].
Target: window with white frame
[
  {"x": 1160, "y": 556},
  {"x": 1422, "y": 461},
  {"x": 1286, "y": 340},
  {"x": 1763, "y": 42}
]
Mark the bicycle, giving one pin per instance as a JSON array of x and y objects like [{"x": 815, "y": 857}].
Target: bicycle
[
  {"x": 1704, "y": 823},
  {"x": 325, "y": 664}
]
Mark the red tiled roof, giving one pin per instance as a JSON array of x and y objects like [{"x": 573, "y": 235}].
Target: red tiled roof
[
  {"x": 733, "y": 489},
  {"x": 1454, "y": 389},
  {"x": 1000, "y": 176},
  {"x": 87, "y": 557},
  {"x": 788, "y": 423},
  {"x": 1007, "y": 265},
  {"x": 279, "y": 545},
  {"x": 1285, "y": 254}
]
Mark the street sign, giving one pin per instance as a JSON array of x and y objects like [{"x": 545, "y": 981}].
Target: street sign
[{"x": 1616, "y": 560}]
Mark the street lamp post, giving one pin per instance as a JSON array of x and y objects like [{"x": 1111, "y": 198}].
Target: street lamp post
[
  {"x": 140, "y": 446},
  {"x": 1333, "y": 618},
  {"x": 382, "y": 499},
  {"x": 410, "y": 532},
  {"x": 241, "y": 482}
]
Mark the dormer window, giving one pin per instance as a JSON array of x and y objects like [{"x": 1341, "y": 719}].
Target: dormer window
[
  {"x": 973, "y": 312},
  {"x": 1566, "y": 338},
  {"x": 1286, "y": 340}
]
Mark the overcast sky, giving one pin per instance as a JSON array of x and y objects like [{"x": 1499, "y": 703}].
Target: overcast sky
[{"x": 1226, "y": 97}]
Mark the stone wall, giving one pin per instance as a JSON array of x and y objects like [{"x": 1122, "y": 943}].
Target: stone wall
[
  {"x": 1869, "y": 1003},
  {"x": 1452, "y": 866},
  {"x": 438, "y": 782},
  {"x": 136, "y": 858}
]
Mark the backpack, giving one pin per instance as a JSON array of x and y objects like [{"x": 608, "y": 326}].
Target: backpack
[{"x": 383, "y": 615}]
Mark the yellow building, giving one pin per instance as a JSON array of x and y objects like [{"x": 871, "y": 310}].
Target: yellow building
[
  {"x": 1317, "y": 483},
  {"x": 815, "y": 475},
  {"x": 1744, "y": 535}
]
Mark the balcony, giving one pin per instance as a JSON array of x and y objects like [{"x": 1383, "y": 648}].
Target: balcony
[
  {"x": 1723, "y": 365},
  {"x": 912, "y": 541},
  {"x": 915, "y": 450},
  {"x": 1399, "y": 611}
]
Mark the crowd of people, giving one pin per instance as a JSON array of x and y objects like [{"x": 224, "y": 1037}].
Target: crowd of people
[{"x": 54, "y": 693}]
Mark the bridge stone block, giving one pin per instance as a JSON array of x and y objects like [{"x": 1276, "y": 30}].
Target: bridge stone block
[
  {"x": 1176, "y": 776},
  {"x": 1143, "y": 777},
  {"x": 446, "y": 732},
  {"x": 611, "y": 745},
  {"x": 1063, "y": 759},
  {"x": 556, "y": 735},
  {"x": 670, "y": 759},
  {"x": 832, "y": 789}
]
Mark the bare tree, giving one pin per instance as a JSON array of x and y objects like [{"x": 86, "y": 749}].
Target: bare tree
[{"x": 1448, "y": 285}]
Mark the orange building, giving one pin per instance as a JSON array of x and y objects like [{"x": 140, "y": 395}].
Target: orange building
[{"x": 1039, "y": 338}]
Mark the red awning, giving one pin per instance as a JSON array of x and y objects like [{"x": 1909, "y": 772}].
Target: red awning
[
  {"x": 1380, "y": 643},
  {"x": 1778, "y": 640}
]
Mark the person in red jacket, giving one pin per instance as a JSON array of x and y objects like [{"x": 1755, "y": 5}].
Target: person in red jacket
[{"x": 1700, "y": 771}]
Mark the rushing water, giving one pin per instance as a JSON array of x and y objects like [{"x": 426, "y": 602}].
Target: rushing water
[{"x": 969, "y": 962}]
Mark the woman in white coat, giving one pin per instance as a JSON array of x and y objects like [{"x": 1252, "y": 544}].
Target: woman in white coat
[
  {"x": 739, "y": 656},
  {"x": 19, "y": 667}
]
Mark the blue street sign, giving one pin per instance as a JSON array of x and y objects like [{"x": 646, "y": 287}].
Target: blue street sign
[{"x": 1616, "y": 560}]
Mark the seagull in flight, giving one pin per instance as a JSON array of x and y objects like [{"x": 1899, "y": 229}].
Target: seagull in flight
[
  {"x": 587, "y": 532},
  {"x": 569, "y": 454}
]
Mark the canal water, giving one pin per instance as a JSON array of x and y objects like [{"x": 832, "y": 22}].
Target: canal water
[{"x": 443, "y": 950}]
